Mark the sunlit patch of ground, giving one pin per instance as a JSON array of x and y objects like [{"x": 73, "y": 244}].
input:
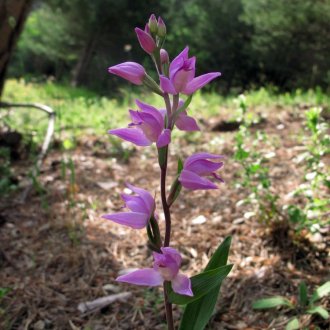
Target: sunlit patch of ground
[{"x": 57, "y": 252}]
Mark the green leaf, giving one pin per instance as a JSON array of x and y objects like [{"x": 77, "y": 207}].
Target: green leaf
[
  {"x": 271, "y": 303},
  {"x": 293, "y": 324},
  {"x": 201, "y": 284},
  {"x": 180, "y": 165},
  {"x": 198, "y": 313},
  {"x": 4, "y": 291},
  {"x": 302, "y": 294},
  {"x": 162, "y": 156},
  {"x": 183, "y": 108},
  {"x": 319, "y": 310},
  {"x": 321, "y": 292}
]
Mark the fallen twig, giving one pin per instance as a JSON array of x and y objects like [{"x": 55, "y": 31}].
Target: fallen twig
[
  {"x": 47, "y": 139},
  {"x": 97, "y": 304}
]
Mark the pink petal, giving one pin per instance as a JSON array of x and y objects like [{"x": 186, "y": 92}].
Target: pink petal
[
  {"x": 135, "y": 203},
  {"x": 131, "y": 71},
  {"x": 166, "y": 264},
  {"x": 217, "y": 177},
  {"x": 201, "y": 155},
  {"x": 186, "y": 123},
  {"x": 174, "y": 253},
  {"x": 151, "y": 110},
  {"x": 145, "y": 195},
  {"x": 133, "y": 135},
  {"x": 181, "y": 78},
  {"x": 134, "y": 220},
  {"x": 135, "y": 117},
  {"x": 164, "y": 138},
  {"x": 146, "y": 276},
  {"x": 203, "y": 167},
  {"x": 178, "y": 61},
  {"x": 200, "y": 82},
  {"x": 167, "y": 86},
  {"x": 193, "y": 181},
  {"x": 181, "y": 284},
  {"x": 147, "y": 43},
  {"x": 150, "y": 126}
]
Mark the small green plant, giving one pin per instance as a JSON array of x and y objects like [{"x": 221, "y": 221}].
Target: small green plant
[
  {"x": 314, "y": 189},
  {"x": 39, "y": 188},
  {"x": 67, "y": 165},
  {"x": 302, "y": 305},
  {"x": 255, "y": 174},
  {"x": 3, "y": 292},
  {"x": 7, "y": 184}
]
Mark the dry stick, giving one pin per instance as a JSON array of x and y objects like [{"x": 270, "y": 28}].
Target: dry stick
[{"x": 47, "y": 139}]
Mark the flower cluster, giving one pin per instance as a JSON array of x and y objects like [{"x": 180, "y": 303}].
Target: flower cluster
[{"x": 151, "y": 125}]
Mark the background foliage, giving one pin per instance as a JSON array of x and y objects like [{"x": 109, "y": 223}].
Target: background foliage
[{"x": 253, "y": 43}]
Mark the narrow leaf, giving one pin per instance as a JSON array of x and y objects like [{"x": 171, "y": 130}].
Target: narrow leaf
[
  {"x": 198, "y": 313},
  {"x": 183, "y": 108},
  {"x": 319, "y": 310},
  {"x": 180, "y": 165},
  {"x": 321, "y": 292},
  {"x": 293, "y": 324},
  {"x": 271, "y": 303},
  {"x": 302, "y": 294},
  {"x": 201, "y": 284}
]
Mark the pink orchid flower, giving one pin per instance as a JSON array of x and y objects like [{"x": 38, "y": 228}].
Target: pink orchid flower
[
  {"x": 141, "y": 205},
  {"x": 166, "y": 268},
  {"x": 196, "y": 167},
  {"x": 182, "y": 76}
]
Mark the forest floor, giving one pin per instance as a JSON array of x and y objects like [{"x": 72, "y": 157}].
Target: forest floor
[{"x": 57, "y": 252}]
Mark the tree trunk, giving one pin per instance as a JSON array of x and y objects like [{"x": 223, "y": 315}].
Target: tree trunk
[
  {"x": 83, "y": 62},
  {"x": 12, "y": 17}
]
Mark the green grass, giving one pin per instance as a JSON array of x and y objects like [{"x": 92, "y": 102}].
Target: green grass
[{"x": 80, "y": 111}]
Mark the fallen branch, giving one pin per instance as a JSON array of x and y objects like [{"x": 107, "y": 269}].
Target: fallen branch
[
  {"x": 48, "y": 137},
  {"x": 97, "y": 304}
]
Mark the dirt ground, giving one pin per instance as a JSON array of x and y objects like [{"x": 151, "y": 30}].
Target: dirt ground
[{"x": 56, "y": 252}]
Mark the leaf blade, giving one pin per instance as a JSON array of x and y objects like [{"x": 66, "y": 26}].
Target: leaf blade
[
  {"x": 201, "y": 284},
  {"x": 321, "y": 292},
  {"x": 272, "y": 302},
  {"x": 198, "y": 313}
]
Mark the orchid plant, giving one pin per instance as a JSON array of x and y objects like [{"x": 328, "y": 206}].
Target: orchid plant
[{"x": 199, "y": 171}]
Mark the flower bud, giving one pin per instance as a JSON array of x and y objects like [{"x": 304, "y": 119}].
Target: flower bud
[
  {"x": 164, "y": 59},
  {"x": 153, "y": 24},
  {"x": 131, "y": 71},
  {"x": 165, "y": 62},
  {"x": 161, "y": 28},
  {"x": 146, "y": 41}
]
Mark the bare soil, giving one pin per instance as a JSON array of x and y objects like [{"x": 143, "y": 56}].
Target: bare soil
[{"x": 57, "y": 252}]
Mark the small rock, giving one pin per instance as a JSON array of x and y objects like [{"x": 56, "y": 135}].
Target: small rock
[
  {"x": 238, "y": 221},
  {"x": 111, "y": 288},
  {"x": 199, "y": 220},
  {"x": 107, "y": 185},
  {"x": 317, "y": 238},
  {"x": 248, "y": 215},
  {"x": 39, "y": 325}
]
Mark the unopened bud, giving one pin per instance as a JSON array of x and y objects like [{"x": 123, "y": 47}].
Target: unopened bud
[
  {"x": 146, "y": 41},
  {"x": 161, "y": 28},
  {"x": 153, "y": 26},
  {"x": 164, "y": 59}
]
